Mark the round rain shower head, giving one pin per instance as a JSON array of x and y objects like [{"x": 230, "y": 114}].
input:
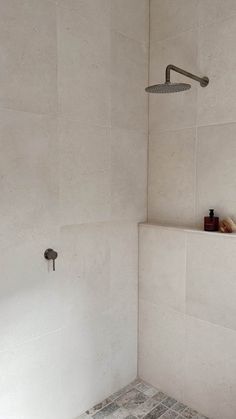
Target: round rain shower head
[{"x": 168, "y": 87}]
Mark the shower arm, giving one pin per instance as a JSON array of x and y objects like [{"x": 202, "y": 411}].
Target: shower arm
[{"x": 202, "y": 80}]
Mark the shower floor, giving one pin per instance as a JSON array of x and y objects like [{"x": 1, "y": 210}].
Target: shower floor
[{"x": 140, "y": 400}]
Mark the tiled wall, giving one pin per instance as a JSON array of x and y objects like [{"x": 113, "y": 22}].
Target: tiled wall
[
  {"x": 187, "y": 335},
  {"x": 192, "y": 134},
  {"x": 73, "y": 142}
]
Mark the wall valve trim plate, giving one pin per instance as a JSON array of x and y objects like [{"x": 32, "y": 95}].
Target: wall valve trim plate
[{"x": 51, "y": 254}]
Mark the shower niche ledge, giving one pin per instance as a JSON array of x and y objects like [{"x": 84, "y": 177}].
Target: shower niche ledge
[{"x": 188, "y": 230}]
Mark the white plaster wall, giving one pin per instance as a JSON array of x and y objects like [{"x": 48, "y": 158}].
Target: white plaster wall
[
  {"x": 73, "y": 148},
  {"x": 192, "y": 154},
  {"x": 187, "y": 327}
]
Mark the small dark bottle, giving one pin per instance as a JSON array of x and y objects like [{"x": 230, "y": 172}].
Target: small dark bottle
[{"x": 211, "y": 223}]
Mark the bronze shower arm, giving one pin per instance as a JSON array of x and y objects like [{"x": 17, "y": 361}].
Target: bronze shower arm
[{"x": 202, "y": 80}]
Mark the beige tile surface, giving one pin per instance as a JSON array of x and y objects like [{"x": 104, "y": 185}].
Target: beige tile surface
[
  {"x": 133, "y": 25},
  {"x": 41, "y": 358},
  {"x": 211, "y": 11},
  {"x": 216, "y": 159},
  {"x": 216, "y": 103},
  {"x": 128, "y": 174},
  {"x": 84, "y": 172},
  {"x": 28, "y": 178},
  {"x": 28, "y": 80},
  {"x": 210, "y": 284},
  {"x": 171, "y": 187},
  {"x": 83, "y": 68},
  {"x": 93, "y": 11},
  {"x": 161, "y": 353},
  {"x": 209, "y": 368},
  {"x": 162, "y": 265},
  {"x": 168, "y": 18},
  {"x": 73, "y": 330},
  {"x": 101, "y": 260},
  {"x": 190, "y": 356},
  {"x": 129, "y": 77}
]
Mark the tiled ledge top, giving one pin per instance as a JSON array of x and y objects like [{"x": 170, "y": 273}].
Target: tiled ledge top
[{"x": 189, "y": 230}]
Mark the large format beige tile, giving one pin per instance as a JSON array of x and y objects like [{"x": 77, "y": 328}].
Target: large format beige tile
[
  {"x": 210, "y": 286},
  {"x": 85, "y": 198},
  {"x": 93, "y": 11},
  {"x": 131, "y": 17},
  {"x": 34, "y": 300},
  {"x": 84, "y": 173},
  {"x": 178, "y": 110},
  {"x": 172, "y": 177},
  {"x": 86, "y": 261},
  {"x": 162, "y": 266},
  {"x": 123, "y": 336},
  {"x": 124, "y": 262},
  {"x": 102, "y": 262},
  {"x": 168, "y": 18},
  {"x": 28, "y": 166},
  {"x": 129, "y": 74},
  {"x": 211, "y": 11},
  {"x": 83, "y": 67},
  {"x": 128, "y": 174},
  {"x": 210, "y": 369},
  {"x": 162, "y": 347},
  {"x": 216, "y": 102},
  {"x": 216, "y": 159},
  {"x": 83, "y": 150},
  {"x": 28, "y": 56},
  {"x": 56, "y": 361}
]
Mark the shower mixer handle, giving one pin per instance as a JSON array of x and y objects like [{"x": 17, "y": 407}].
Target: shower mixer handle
[{"x": 51, "y": 254}]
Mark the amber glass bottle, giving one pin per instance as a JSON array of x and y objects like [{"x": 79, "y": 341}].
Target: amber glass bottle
[{"x": 211, "y": 223}]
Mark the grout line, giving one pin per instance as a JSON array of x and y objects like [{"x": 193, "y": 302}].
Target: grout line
[
  {"x": 138, "y": 293},
  {"x": 147, "y": 168},
  {"x": 195, "y": 188},
  {"x": 195, "y": 27},
  {"x": 30, "y": 340},
  {"x": 169, "y": 38},
  {"x": 148, "y": 107},
  {"x": 196, "y": 126}
]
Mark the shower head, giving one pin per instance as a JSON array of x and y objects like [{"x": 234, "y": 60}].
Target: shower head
[{"x": 169, "y": 87}]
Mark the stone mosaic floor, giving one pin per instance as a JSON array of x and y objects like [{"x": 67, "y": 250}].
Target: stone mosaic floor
[{"x": 140, "y": 400}]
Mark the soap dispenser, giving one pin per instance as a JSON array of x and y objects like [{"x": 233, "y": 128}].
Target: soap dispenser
[{"x": 211, "y": 223}]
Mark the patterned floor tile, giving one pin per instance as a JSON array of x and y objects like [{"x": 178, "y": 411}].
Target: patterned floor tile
[
  {"x": 98, "y": 407},
  {"x": 160, "y": 396},
  {"x": 156, "y": 412},
  {"x": 189, "y": 413},
  {"x": 139, "y": 400},
  {"x": 169, "y": 401},
  {"x": 120, "y": 413},
  {"x": 136, "y": 401},
  {"x": 178, "y": 407},
  {"x": 131, "y": 398},
  {"x": 146, "y": 389},
  {"x": 145, "y": 408},
  {"x": 106, "y": 411},
  {"x": 170, "y": 414}
]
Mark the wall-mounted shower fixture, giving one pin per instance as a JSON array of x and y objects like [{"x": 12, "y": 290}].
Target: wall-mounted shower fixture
[
  {"x": 169, "y": 87},
  {"x": 51, "y": 254}
]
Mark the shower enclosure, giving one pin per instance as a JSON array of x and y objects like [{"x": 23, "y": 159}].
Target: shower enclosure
[{"x": 109, "y": 185}]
